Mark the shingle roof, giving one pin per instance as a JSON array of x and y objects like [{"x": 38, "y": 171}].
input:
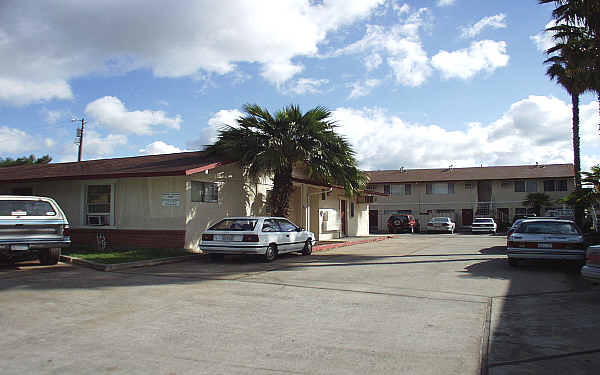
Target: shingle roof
[
  {"x": 515, "y": 172},
  {"x": 183, "y": 163}
]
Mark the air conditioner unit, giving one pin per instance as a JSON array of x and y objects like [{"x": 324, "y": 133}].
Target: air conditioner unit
[{"x": 96, "y": 220}]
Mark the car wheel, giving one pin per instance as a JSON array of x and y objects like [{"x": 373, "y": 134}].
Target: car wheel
[
  {"x": 513, "y": 262},
  {"x": 49, "y": 256},
  {"x": 271, "y": 253},
  {"x": 215, "y": 257},
  {"x": 307, "y": 250}
]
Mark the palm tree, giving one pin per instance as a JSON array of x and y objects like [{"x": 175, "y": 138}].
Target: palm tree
[
  {"x": 537, "y": 201},
  {"x": 263, "y": 143}
]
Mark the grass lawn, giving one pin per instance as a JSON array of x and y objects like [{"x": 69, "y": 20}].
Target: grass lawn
[{"x": 123, "y": 255}]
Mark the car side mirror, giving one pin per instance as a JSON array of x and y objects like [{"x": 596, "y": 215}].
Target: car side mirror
[{"x": 299, "y": 229}]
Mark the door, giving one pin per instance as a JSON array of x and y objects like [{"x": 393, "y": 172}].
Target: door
[
  {"x": 503, "y": 221},
  {"x": 373, "y": 221},
  {"x": 467, "y": 216},
  {"x": 343, "y": 214},
  {"x": 288, "y": 237}
]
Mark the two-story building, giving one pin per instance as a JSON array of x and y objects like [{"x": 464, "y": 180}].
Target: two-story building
[{"x": 465, "y": 193}]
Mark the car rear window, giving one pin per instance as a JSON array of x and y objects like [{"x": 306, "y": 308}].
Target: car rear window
[
  {"x": 548, "y": 227},
  {"x": 235, "y": 224},
  {"x": 440, "y": 220},
  {"x": 26, "y": 208},
  {"x": 483, "y": 221}
]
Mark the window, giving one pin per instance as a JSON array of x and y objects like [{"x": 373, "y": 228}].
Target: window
[
  {"x": 270, "y": 225},
  {"x": 531, "y": 186},
  {"x": 519, "y": 186},
  {"x": 439, "y": 188},
  {"x": 386, "y": 189},
  {"x": 372, "y": 187},
  {"x": 26, "y": 208},
  {"x": 351, "y": 209},
  {"x": 235, "y": 224},
  {"x": 468, "y": 186},
  {"x": 205, "y": 192},
  {"x": 561, "y": 185},
  {"x": 98, "y": 205},
  {"x": 285, "y": 226},
  {"x": 402, "y": 189},
  {"x": 555, "y": 185},
  {"x": 526, "y": 186}
]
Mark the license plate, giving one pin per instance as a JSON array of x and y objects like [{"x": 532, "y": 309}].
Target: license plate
[
  {"x": 227, "y": 237},
  {"x": 545, "y": 245},
  {"x": 19, "y": 247}
]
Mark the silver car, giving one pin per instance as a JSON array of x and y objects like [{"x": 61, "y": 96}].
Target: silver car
[
  {"x": 266, "y": 236},
  {"x": 441, "y": 224},
  {"x": 591, "y": 270},
  {"x": 545, "y": 239},
  {"x": 484, "y": 224}
]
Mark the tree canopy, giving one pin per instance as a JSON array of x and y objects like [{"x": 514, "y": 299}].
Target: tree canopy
[
  {"x": 274, "y": 144},
  {"x": 25, "y": 160}
]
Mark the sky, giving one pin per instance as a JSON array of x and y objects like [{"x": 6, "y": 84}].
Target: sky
[{"x": 412, "y": 84}]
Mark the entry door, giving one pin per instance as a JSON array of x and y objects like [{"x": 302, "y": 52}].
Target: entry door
[
  {"x": 373, "y": 221},
  {"x": 467, "y": 216},
  {"x": 343, "y": 211}
]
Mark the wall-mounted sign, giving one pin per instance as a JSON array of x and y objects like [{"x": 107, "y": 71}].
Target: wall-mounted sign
[{"x": 170, "y": 199}]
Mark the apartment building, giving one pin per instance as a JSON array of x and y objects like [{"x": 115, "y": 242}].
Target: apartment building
[{"x": 465, "y": 193}]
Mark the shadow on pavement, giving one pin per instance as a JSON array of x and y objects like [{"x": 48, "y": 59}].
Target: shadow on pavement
[{"x": 552, "y": 331}]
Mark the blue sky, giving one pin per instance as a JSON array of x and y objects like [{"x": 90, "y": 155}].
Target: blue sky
[{"x": 414, "y": 84}]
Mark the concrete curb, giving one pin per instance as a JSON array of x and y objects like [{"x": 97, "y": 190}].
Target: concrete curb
[
  {"x": 348, "y": 243},
  {"x": 120, "y": 266}
]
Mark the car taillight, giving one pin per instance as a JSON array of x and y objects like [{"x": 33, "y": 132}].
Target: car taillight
[
  {"x": 66, "y": 231},
  {"x": 429, "y": 224},
  {"x": 593, "y": 258},
  {"x": 250, "y": 238},
  {"x": 445, "y": 224},
  {"x": 207, "y": 237}
]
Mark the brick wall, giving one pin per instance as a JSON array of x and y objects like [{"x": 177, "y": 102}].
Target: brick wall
[{"x": 119, "y": 238}]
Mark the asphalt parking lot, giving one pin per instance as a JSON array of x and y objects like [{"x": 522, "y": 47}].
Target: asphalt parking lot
[{"x": 414, "y": 304}]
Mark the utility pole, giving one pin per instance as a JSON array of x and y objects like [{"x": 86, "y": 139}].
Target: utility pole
[{"x": 79, "y": 137}]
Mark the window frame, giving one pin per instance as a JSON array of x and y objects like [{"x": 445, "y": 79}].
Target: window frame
[
  {"x": 204, "y": 191},
  {"x": 85, "y": 206}
]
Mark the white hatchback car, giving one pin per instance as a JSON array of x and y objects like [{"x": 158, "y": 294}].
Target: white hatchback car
[
  {"x": 441, "y": 224},
  {"x": 266, "y": 236}
]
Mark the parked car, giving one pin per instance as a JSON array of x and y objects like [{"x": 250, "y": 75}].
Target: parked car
[
  {"x": 513, "y": 227},
  {"x": 484, "y": 224},
  {"x": 32, "y": 226},
  {"x": 266, "y": 236},
  {"x": 545, "y": 239},
  {"x": 591, "y": 269},
  {"x": 401, "y": 223},
  {"x": 441, "y": 224}
]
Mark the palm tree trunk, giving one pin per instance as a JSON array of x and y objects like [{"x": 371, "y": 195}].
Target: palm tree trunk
[
  {"x": 576, "y": 142},
  {"x": 282, "y": 187},
  {"x": 579, "y": 212}
]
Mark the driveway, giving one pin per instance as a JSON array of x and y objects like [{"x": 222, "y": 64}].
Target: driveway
[{"x": 414, "y": 304}]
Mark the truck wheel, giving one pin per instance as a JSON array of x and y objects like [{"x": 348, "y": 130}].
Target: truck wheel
[{"x": 49, "y": 256}]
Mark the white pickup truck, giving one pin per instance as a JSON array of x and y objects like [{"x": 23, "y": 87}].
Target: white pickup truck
[{"x": 32, "y": 226}]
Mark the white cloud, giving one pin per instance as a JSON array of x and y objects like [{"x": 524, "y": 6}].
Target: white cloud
[
  {"x": 544, "y": 40},
  {"x": 535, "y": 129},
  {"x": 159, "y": 147},
  {"x": 111, "y": 113},
  {"x": 307, "y": 86},
  {"x": 401, "y": 45},
  {"x": 52, "y": 117},
  {"x": 98, "y": 146},
  {"x": 444, "y": 3},
  {"x": 362, "y": 89},
  {"x": 495, "y": 22},
  {"x": 485, "y": 55},
  {"x": 50, "y": 43},
  {"x": 23, "y": 92},
  {"x": 16, "y": 141},
  {"x": 208, "y": 135}
]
